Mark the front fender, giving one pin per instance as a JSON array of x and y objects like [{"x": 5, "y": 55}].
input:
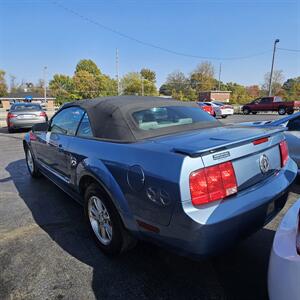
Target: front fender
[{"x": 97, "y": 170}]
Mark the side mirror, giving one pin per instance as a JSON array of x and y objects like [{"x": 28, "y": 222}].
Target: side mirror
[{"x": 40, "y": 127}]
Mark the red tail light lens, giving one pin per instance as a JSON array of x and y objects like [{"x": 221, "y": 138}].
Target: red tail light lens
[
  {"x": 43, "y": 114},
  {"x": 32, "y": 136},
  {"x": 284, "y": 152},
  {"x": 212, "y": 183},
  {"x": 260, "y": 141},
  {"x": 10, "y": 115}
]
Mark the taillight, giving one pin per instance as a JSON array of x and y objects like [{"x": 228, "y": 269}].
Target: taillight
[
  {"x": 260, "y": 141},
  {"x": 10, "y": 116},
  {"x": 43, "y": 114},
  {"x": 32, "y": 136},
  {"x": 212, "y": 183},
  {"x": 284, "y": 152},
  {"x": 298, "y": 235}
]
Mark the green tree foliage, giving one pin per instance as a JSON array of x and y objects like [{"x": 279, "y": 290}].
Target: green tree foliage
[
  {"x": 3, "y": 85},
  {"x": 165, "y": 89},
  {"x": 89, "y": 82},
  {"x": 239, "y": 93},
  {"x": 133, "y": 83},
  {"x": 89, "y": 66},
  {"x": 86, "y": 85},
  {"x": 202, "y": 78},
  {"x": 148, "y": 74},
  {"x": 179, "y": 87},
  {"x": 292, "y": 88},
  {"x": 62, "y": 88}
]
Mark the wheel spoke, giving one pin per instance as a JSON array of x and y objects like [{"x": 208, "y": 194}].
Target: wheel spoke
[
  {"x": 102, "y": 231},
  {"x": 100, "y": 220},
  {"x": 108, "y": 231},
  {"x": 97, "y": 204}
]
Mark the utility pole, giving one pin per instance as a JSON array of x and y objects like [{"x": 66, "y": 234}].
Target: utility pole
[
  {"x": 117, "y": 71},
  {"x": 272, "y": 66},
  {"x": 45, "y": 84},
  {"x": 142, "y": 78},
  {"x": 220, "y": 70}
]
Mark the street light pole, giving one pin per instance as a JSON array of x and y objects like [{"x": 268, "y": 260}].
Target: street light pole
[
  {"x": 142, "y": 79},
  {"x": 117, "y": 72},
  {"x": 271, "y": 74},
  {"x": 45, "y": 84}
]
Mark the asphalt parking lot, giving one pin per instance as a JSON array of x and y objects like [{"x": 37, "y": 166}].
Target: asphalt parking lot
[{"x": 46, "y": 252}]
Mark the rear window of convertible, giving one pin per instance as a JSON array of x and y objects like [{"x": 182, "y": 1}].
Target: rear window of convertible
[{"x": 168, "y": 116}]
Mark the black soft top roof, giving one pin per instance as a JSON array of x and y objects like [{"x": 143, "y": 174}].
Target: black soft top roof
[{"x": 111, "y": 117}]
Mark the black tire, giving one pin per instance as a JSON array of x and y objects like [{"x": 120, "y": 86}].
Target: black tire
[
  {"x": 282, "y": 110},
  {"x": 32, "y": 168},
  {"x": 246, "y": 111},
  {"x": 254, "y": 112},
  {"x": 10, "y": 130},
  {"x": 120, "y": 240},
  {"x": 223, "y": 117},
  {"x": 290, "y": 111}
]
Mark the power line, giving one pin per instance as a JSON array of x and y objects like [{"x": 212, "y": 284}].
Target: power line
[
  {"x": 107, "y": 28},
  {"x": 290, "y": 50}
]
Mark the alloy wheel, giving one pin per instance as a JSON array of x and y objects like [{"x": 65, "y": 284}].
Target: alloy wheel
[{"x": 100, "y": 220}]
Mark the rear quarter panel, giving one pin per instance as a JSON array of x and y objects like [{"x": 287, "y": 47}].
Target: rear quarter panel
[{"x": 119, "y": 168}]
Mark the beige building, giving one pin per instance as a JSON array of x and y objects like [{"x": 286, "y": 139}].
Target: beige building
[{"x": 6, "y": 101}]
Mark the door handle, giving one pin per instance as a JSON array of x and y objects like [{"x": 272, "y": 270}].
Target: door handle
[{"x": 60, "y": 148}]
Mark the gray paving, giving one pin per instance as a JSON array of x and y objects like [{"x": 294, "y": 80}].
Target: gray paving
[{"x": 46, "y": 252}]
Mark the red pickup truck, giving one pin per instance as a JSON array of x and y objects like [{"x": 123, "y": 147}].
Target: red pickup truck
[{"x": 273, "y": 103}]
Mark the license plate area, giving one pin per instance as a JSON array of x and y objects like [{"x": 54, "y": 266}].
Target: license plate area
[{"x": 26, "y": 117}]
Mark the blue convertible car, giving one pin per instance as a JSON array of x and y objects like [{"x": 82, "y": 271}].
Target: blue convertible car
[{"x": 162, "y": 170}]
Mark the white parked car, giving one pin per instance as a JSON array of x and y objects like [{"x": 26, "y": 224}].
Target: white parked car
[
  {"x": 284, "y": 265},
  {"x": 221, "y": 109}
]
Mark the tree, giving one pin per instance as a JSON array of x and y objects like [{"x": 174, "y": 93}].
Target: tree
[
  {"x": 109, "y": 86},
  {"x": 165, "y": 89},
  {"x": 62, "y": 87},
  {"x": 89, "y": 66},
  {"x": 253, "y": 91},
  {"x": 3, "y": 85},
  {"x": 179, "y": 87},
  {"x": 148, "y": 74},
  {"x": 86, "y": 85},
  {"x": 132, "y": 84},
  {"x": 277, "y": 80},
  {"x": 177, "y": 81},
  {"x": 202, "y": 78},
  {"x": 239, "y": 93},
  {"x": 292, "y": 88}
]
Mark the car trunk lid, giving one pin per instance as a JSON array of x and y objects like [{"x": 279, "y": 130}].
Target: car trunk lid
[
  {"x": 26, "y": 114},
  {"x": 254, "y": 152}
]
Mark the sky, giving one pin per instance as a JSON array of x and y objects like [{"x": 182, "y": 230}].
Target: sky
[{"x": 151, "y": 34}]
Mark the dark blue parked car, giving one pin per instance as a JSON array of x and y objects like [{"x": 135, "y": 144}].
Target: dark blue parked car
[{"x": 162, "y": 170}]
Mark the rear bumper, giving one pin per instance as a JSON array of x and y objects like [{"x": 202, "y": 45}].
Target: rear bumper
[
  {"x": 228, "y": 221},
  {"x": 15, "y": 124}
]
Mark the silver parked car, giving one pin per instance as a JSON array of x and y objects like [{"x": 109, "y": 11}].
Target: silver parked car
[
  {"x": 25, "y": 115},
  {"x": 292, "y": 135}
]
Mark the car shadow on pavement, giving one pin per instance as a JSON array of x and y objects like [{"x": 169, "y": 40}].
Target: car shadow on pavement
[{"x": 146, "y": 271}]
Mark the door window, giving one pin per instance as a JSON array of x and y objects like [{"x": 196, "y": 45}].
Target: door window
[
  {"x": 266, "y": 100},
  {"x": 85, "y": 129},
  {"x": 67, "y": 121}
]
